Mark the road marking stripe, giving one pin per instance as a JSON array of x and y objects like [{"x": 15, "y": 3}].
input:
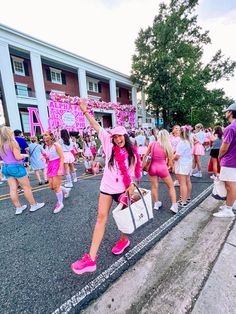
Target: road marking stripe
[
  {"x": 92, "y": 286},
  {"x": 41, "y": 188}
]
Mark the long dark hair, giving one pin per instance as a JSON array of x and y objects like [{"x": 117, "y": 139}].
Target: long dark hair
[
  {"x": 128, "y": 146},
  {"x": 218, "y": 131},
  {"x": 65, "y": 137}
]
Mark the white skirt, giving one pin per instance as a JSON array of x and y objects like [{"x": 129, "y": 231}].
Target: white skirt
[
  {"x": 184, "y": 169},
  {"x": 68, "y": 158},
  {"x": 228, "y": 174}
]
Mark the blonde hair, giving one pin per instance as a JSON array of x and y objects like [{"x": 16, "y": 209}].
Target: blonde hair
[
  {"x": 50, "y": 133},
  {"x": 7, "y": 138},
  {"x": 164, "y": 139},
  {"x": 199, "y": 126},
  {"x": 185, "y": 134}
]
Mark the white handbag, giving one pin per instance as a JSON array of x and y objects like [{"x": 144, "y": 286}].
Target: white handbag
[
  {"x": 136, "y": 214},
  {"x": 219, "y": 191}
]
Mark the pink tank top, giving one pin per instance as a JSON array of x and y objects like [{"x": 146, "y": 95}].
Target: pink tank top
[{"x": 158, "y": 153}]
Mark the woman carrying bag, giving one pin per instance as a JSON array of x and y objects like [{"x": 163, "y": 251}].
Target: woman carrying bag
[{"x": 122, "y": 166}]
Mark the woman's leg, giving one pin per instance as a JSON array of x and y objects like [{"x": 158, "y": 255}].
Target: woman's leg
[
  {"x": 215, "y": 166},
  {"x": 171, "y": 189},
  {"x": 183, "y": 188},
  {"x": 25, "y": 184},
  {"x": 37, "y": 174},
  {"x": 44, "y": 171},
  {"x": 154, "y": 188},
  {"x": 189, "y": 187},
  {"x": 104, "y": 205},
  {"x": 194, "y": 162},
  {"x": 73, "y": 172},
  {"x": 198, "y": 163},
  {"x": 13, "y": 184}
]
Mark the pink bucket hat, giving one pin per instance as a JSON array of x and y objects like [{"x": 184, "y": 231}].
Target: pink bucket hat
[{"x": 119, "y": 130}]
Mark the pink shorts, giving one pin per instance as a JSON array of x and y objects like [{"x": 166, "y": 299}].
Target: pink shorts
[
  {"x": 198, "y": 149},
  {"x": 68, "y": 157},
  {"x": 158, "y": 169},
  {"x": 52, "y": 169}
]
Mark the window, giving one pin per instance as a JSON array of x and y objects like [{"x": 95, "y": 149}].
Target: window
[
  {"x": 118, "y": 92},
  {"x": 56, "y": 76},
  {"x": 22, "y": 90},
  {"x": 25, "y": 121},
  {"x": 18, "y": 66},
  {"x": 129, "y": 94},
  {"x": 93, "y": 87}
]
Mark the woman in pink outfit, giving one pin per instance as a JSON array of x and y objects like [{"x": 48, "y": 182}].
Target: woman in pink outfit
[
  {"x": 161, "y": 158},
  {"x": 122, "y": 167}
]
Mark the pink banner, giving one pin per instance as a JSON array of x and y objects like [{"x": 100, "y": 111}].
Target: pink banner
[{"x": 64, "y": 115}]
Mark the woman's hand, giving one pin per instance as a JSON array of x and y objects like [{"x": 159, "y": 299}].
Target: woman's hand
[
  {"x": 83, "y": 105},
  {"x": 130, "y": 189}
]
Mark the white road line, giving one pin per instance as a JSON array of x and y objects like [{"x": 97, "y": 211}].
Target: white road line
[{"x": 98, "y": 281}]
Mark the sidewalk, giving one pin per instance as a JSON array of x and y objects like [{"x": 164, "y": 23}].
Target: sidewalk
[{"x": 191, "y": 270}]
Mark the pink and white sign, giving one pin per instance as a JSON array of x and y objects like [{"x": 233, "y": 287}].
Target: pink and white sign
[{"x": 64, "y": 115}]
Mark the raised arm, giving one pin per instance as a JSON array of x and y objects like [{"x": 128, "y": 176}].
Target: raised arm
[{"x": 92, "y": 121}]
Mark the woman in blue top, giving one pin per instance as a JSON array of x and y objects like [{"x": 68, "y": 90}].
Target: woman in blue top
[{"x": 36, "y": 159}]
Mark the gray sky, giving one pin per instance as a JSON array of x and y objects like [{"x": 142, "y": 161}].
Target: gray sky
[{"x": 105, "y": 30}]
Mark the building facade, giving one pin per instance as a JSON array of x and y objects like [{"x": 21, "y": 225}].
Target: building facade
[{"x": 30, "y": 69}]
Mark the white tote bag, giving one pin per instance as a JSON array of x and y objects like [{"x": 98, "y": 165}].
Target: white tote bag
[
  {"x": 219, "y": 191},
  {"x": 136, "y": 214}
]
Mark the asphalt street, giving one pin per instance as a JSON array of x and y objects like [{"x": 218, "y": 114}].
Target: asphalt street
[{"x": 36, "y": 249}]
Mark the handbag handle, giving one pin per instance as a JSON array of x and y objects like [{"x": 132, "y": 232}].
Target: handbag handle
[{"x": 144, "y": 203}]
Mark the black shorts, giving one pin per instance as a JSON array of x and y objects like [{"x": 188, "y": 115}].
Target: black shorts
[
  {"x": 214, "y": 153},
  {"x": 115, "y": 197}
]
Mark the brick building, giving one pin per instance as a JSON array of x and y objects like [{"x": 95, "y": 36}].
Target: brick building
[{"x": 30, "y": 69}]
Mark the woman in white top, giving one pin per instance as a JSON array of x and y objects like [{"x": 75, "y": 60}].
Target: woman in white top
[
  {"x": 183, "y": 164},
  {"x": 69, "y": 159},
  {"x": 198, "y": 149}
]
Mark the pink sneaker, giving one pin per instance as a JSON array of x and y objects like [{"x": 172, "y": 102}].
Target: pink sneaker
[
  {"x": 85, "y": 265},
  {"x": 120, "y": 246}
]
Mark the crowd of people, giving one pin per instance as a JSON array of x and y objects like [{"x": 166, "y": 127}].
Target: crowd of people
[{"x": 173, "y": 157}]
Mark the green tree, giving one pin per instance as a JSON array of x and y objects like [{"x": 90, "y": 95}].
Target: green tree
[{"x": 167, "y": 64}]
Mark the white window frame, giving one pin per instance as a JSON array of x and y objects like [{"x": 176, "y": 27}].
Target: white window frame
[
  {"x": 94, "y": 83},
  {"x": 57, "y": 72},
  {"x": 58, "y": 92},
  {"x": 20, "y": 60},
  {"x": 23, "y": 85}
]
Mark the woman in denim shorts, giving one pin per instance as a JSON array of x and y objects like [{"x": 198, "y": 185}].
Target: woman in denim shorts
[{"x": 14, "y": 170}]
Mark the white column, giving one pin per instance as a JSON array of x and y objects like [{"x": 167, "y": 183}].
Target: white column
[
  {"x": 82, "y": 83},
  {"x": 39, "y": 87},
  {"x": 112, "y": 84},
  {"x": 134, "y": 102},
  {"x": 143, "y": 102},
  {"x": 9, "y": 87}
]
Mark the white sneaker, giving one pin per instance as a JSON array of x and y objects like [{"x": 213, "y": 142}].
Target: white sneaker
[
  {"x": 174, "y": 208},
  {"x": 176, "y": 183},
  {"x": 58, "y": 208},
  {"x": 197, "y": 175},
  {"x": 157, "y": 205},
  {"x": 36, "y": 206},
  {"x": 69, "y": 185},
  {"x": 234, "y": 205},
  {"x": 75, "y": 179},
  {"x": 213, "y": 177},
  {"x": 20, "y": 210},
  {"x": 67, "y": 193},
  {"x": 224, "y": 213}
]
